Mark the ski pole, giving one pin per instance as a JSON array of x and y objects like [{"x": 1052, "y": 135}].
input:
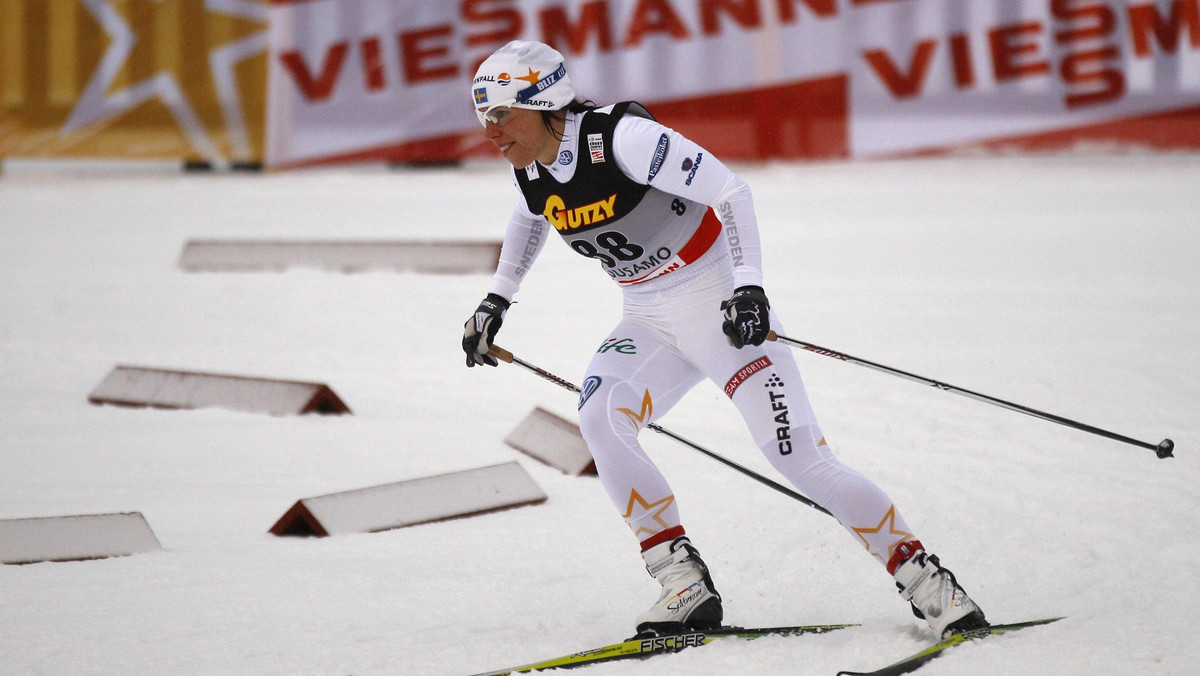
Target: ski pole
[
  {"x": 508, "y": 358},
  {"x": 1163, "y": 448}
]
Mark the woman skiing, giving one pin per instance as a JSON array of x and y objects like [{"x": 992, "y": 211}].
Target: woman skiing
[{"x": 675, "y": 229}]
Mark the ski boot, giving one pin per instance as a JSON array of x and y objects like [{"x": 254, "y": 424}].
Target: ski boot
[
  {"x": 688, "y": 601},
  {"x": 936, "y": 596}
]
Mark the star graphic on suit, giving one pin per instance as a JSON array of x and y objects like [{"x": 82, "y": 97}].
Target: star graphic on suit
[
  {"x": 874, "y": 548},
  {"x": 643, "y": 416},
  {"x": 533, "y": 77},
  {"x": 644, "y": 509}
]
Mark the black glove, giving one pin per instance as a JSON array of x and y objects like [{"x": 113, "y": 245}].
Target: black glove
[
  {"x": 746, "y": 320},
  {"x": 480, "y": 330}
]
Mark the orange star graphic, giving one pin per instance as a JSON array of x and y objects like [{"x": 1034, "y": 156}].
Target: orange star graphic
[
  {"x": 890, "y": 520},
  {"x": 647, "y": 509},
  {"x": 533, "y": 77},
  {"x": 643, "y": 416}
]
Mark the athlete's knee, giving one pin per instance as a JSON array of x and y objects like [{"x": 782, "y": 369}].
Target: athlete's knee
[
  {"x": 593, "y": 421},
  {"x": 616, "y": 409}
]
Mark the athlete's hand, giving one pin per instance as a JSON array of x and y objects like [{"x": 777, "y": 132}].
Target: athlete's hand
[
  {"x": 480, "y": 330},
  {"x": 746, "y": 320}
]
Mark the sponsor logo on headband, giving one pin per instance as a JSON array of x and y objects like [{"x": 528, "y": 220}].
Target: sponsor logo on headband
[{"x": 541, "y": 85}]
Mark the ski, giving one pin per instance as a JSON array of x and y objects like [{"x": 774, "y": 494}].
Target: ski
[
  {"x": 639, "y": 648},
  {"x": 914, "y": 662}
]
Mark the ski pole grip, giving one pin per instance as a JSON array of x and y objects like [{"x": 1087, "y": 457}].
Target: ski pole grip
[
  {"x": 771, "y": 335},
  {"x": 501, "y": 354}
]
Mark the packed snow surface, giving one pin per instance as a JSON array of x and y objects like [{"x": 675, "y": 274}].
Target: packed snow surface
[{"x": 1067, "y": 283}]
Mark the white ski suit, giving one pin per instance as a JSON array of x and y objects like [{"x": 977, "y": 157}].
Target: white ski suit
[{"x": 677, "y": 231}]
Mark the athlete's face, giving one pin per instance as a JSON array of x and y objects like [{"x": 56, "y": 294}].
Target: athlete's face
[{"x": 521, "y": 136}]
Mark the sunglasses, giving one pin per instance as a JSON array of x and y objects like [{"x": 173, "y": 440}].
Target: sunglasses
[{"x": 497, "y": 114}]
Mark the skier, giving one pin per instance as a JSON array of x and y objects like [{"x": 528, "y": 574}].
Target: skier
[{"x": 676, "y": 230}]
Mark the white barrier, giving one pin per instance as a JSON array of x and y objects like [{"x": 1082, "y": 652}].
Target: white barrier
[
  {"x": 554, "y": 441},
  {"x": 75, "y": 538},
  {"x": 340, "y": 256},
  {"x": 412, "y": 502},
  {"x": 159, "y": 388}
]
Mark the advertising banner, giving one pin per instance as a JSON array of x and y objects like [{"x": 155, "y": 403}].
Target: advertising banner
[
  {"x": 765, "y": 78},
  {"x": 133, "y": 79},
  {"x": 298, "y": 82},
  {"x": 941, "y": 74}
]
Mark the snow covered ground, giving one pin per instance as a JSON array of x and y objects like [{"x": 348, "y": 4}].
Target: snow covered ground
[{"x": 1068, "y": 283}]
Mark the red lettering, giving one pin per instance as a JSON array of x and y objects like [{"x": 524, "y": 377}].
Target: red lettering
[
  {"x": 559, "y": 32},
  {"x": 372, "y": 61},
  {"x": 1104, "y": 21},
  {"x": 787, "y": 9},
  {"x": 1087, "y": 68},
  {"x": 508, "y": 19},
  {"x": 960, "y": 54},
  {"x": 414, "y": 54},
  {"x": 1007, "y": 52},
  {"x": 1075, "y": 71},
  {"x": 1145, "y": 19},
  {"x": 744, "y": 12},
  {"x": 654, "y": 16},
  {"x": 320, "y": 87},
  {"x": 903, "y": 85}
]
